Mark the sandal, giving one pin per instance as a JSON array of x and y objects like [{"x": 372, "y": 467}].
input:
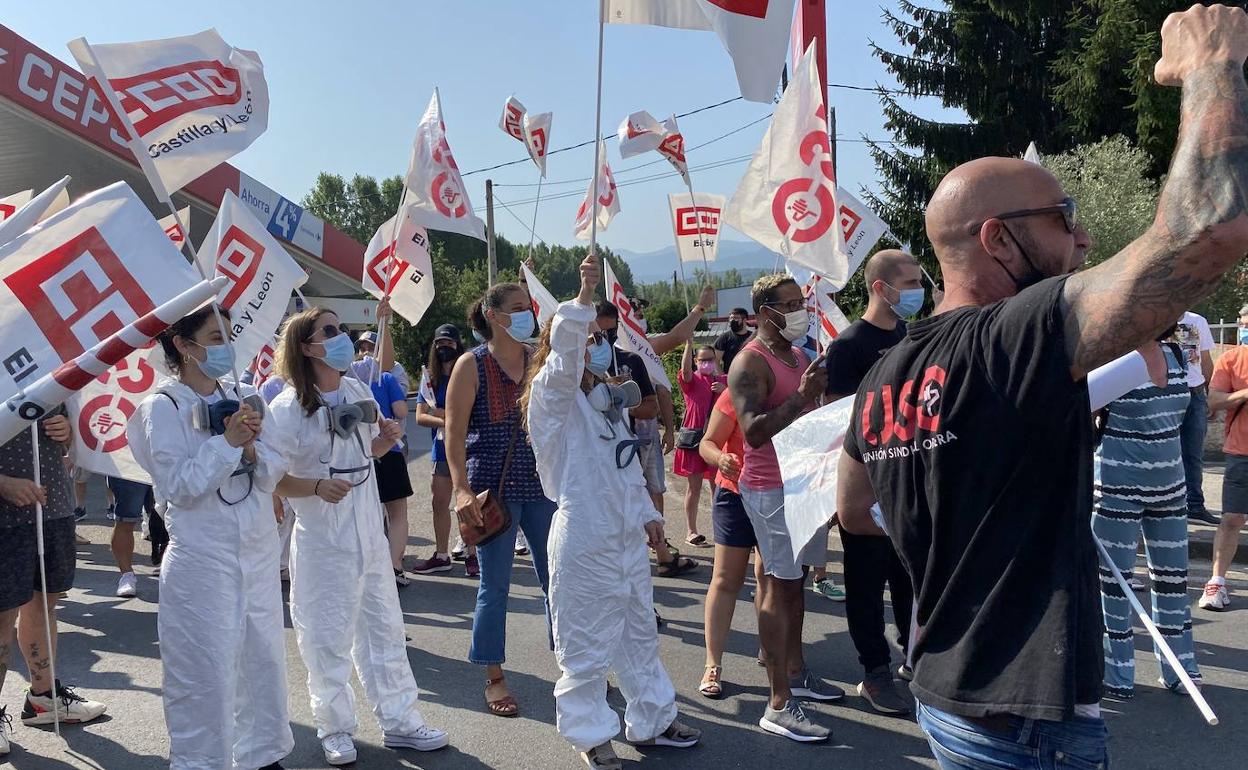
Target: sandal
[
  {"x": 711, "y": 686},
  {"x": 679, "y": 565},
  {"x": 505, "y": 706},
  {"x": 697, "y": 541}
]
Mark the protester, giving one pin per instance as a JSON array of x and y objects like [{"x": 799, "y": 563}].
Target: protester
[
  {"x": 1193, "y": 336},
  {"x": 443, "y": 353},
  {"x": 600, "y": 593},
  {"x": 365, "y": 365},
  {"x": 700, "y": 387},
  {"x": 895, "y": 285},
  {"x": 488, "y": 448},
  {"x": 723, "y": 448},
  {"x": 344, "y": 601},
  {"x": 772, "y": 384},
  {"x": 1228, "y": 391},
  {"x": 1139, "y": 484},
  {"x": 23, "y": 600},
  {"x": 729, "y": 343},
  {"x": 394, "y": 486},
  {"x": 131, "y": 498},
  {"x": 221, "y": 626},
  {"x": 1010, "y": 660}
]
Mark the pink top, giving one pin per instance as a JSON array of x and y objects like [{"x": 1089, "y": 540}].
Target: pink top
[
  {"x": 761, "y": 469},
  {"x": 699, "y": 398}
]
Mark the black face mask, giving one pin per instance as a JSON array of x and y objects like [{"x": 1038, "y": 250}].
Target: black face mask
[
  {"x": 446, "y": 355},
  {"x": 1036, "y": 275},
  {"x": 736, "y": 326}
]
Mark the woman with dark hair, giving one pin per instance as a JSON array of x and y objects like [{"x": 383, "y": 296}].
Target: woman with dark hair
[
  {"x": 484, "y": 435},
  {"x": 343, "y": 599},
  {"x": 223, "y": 651},
  {"x": 431, "y": 413}
]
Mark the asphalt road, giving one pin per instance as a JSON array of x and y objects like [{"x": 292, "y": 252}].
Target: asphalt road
[{"x": 109, "y": 649}]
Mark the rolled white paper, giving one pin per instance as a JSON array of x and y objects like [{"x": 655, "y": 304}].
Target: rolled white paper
[{"x": 1116, "y": 379}]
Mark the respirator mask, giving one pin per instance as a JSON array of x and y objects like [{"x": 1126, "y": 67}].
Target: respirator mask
[
  {"x": 343, "y": 421},
  {"x": 611, "y": 400},
  {"x": 212, "y": 417}
]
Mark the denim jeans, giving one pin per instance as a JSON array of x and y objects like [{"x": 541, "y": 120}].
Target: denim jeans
[
  {"x": 489, "y": 621},
  {"x": 1081, "y": 743},
  {"x": 1192, "y": 434}
]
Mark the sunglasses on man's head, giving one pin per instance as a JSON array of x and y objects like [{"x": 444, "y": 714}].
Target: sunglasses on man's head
[{"x": 1067, "y": 208}]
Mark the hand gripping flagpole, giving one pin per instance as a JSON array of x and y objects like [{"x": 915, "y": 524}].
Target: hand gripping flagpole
[
  {"x": 43, "y": 586},
  {"x": 1192, "y": 690}
]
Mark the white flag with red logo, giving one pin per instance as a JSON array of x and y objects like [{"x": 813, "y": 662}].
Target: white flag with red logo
[
  {"x": 787, "y": 198},
  {"x": 263, "y": 365},
  {"x": 11, "y": 203},
  {"x": 262, "y": 275},
  {"x": 171, "y": 227},
  {"x": 859, "y": 229},
  {"x": 826, "y": 319},
  {"x": 189, "y": 102},
  {"x": 533, "y": 131},
  {"x": 436, "y": 192},
  {"x": 544, "y": 303},
  {"x": 608, "y": 199},
  {"x": 400, "y": 259},
  {"x": 696, "y": 225},
  {"x": 629, "y": 334},
  {"x": 426, "y": 388},
  {"x": 32, "y": 210},
  {"x": 100, "y": 412},
  {"x": 640, "y": 133}
]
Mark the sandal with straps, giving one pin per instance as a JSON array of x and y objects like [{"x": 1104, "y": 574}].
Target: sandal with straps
[
  {"x": 711, "y": 686},
  {"x": 505, "y": 706}
]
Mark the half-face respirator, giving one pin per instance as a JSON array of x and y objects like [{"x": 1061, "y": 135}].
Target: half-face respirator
[
  {"x": 342, "y": 421},
  {"x": 611, "y": 400}
]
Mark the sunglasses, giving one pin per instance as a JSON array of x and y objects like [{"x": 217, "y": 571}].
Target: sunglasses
[
  {"x": 1067, "y": 208},
  {"x": 328, "y": 330},
  {"x": 792, "y": 306}
]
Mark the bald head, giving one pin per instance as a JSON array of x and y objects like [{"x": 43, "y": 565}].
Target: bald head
[
  {"x": 886, "y": 265},
  {"x": 981, "y": 189}
]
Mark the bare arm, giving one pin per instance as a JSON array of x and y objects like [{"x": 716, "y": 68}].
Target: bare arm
[
  {"x": 646, "y": 410},
  {"x": 683, "y": 331},
  {"x": 1201, "y": 227},
  {"x": 1206, "y": 366},
  {"x": 718, "y": 430},
  {"x": 854, "y": 498},
  {"x": 686, "y": 361},
  {"x": 1220, "y": 399},
  {"x": 751, "y": 382},
  {"x": 427, "y": 417},
  {"x": 461, "y": 392}
]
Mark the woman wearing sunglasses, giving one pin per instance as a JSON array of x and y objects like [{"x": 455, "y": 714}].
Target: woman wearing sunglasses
[
  {"x": 343, "y": 599},
  {"x": 600, "y": 594}
]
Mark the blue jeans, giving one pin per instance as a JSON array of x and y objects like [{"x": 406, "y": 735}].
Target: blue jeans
[
  {"x": 1192, "y": 435},
  {"x": 489, "y": 621},
  {"x": 1081, "y": 743}
]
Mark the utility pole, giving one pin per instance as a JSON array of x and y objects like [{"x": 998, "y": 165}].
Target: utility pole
[
  {"x": 491, "y": 265},
  {"x": 832, "y": 138}
]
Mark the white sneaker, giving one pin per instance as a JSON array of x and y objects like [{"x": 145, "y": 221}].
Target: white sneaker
[
  {"x": 6, "y": 729},
  {"x": 425, "y": 739},
  {"x": 1214, "y": 598},
  {"x": 522, "y": 544},
  {"x": 460, "y": 551},
  {"x": 128, "y": 585},
  {"x": 72, "y": 707},
  {"x": 339, "y": 749}
]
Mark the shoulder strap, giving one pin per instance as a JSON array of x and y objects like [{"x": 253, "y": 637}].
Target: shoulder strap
[
  {"x": 515, "y": 430},
  {"x": 165, "y": 392}
]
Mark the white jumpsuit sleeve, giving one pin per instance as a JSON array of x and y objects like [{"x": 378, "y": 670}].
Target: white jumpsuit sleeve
[
  {"x": 270, "y": 466},
  {"x": 553, "y": 395},
  {"x": 183, "y": 476}
]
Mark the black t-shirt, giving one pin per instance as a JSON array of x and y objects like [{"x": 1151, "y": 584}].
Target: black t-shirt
[
  {"x": 730, "y": 343},
  {"x": 855, "y": 350},
  {"x": 632, "y": 365},
  {"x": 979, "y": 447}
]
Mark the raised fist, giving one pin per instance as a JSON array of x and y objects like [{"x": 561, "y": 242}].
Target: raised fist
[{"x": 1199, "y": 37}]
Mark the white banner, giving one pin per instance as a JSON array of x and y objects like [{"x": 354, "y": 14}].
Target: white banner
[
  {"x": 629, "y": 334},
  {"x": 436, "y": 191},
  {"x": 640, "y": 133},
  {"x": 533, "y": 131},
  {"x": 809, "y": 451},
  {"x": 696, "y": 226},
  {"x": 860, "y": 229},
  {"x": 544, "y": 303},
  {"x": 409, "y": 272},
  {"x": 608, "y": 199},
  {"x": 171, "y": 227},
  {"x": 10, "y": 204},
  {"x": 100, "y": 412},
  {"x": 262, "y": 276},
  {"x": 34, "y": 210},
  {"x": 191, "y": 102},
  {"x": 681, "y": 14}
]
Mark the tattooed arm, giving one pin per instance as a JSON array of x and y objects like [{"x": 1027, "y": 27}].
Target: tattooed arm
[
  {"x": 751, "y": 381},
  {"x": 1201, "y": 227}
]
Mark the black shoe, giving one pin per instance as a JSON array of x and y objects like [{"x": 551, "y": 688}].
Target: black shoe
[
  {"x": 158, "y": 553},
  {"x": 274, "y": 766},
  {"x": 80, "y": 513},
  {"x": 1203, "y": 515}
]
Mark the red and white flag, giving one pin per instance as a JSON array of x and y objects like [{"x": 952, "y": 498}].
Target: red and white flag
[
  {"x": 608, "y": 199},
  {"x": 11, "y": 203},
  {"x": 397, "y": 264},
  {"x": 263, "y": 365},
  {"x": 860, "y": 229},
  {"x": 533, "y": 131},
  {"x": 629, "y": 334},
  {"x": 640, "y": 133},
  {"x": 426, "y": 388},
  {"x": 436, "y": 193},
  {"x": 188, "y": 103},
  {"x": 544, "y": 303},
  {"x": 696, "y": 226},
  {"x": 100, "y": 412},
  {"x": 787, "y": 198},
  {"x": 171, "y": 227},
  {"x": 262, "y": 276},
  {"x": 826, "y": 319},
  {"x": 32, "y": 210},
  {"x": 755, "y": 32}
]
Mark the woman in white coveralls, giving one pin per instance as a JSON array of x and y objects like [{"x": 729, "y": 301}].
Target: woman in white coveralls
[
  {"x": 600, "y": 594},
  {"x": 222, "y": 647},
  {"x": 343, "y": 599}
]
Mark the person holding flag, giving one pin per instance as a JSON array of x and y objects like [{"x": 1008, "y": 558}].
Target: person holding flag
[{"x": 223, "y": 650}]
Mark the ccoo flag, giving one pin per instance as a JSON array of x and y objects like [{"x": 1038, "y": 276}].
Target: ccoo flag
[
  {"x": 608, "y": 198},
  {"x": 33, "y": 210},
  {"x": 406, "y": 277},
  {"x": 435, "y": 190},
  {"x": 10, "y": 204},
  {"x": 860, "y": 229},
  {"x": 544, "y": 303},
  {"x": 640, "y": 132},
  {"x": 696, "y": 226},
  {"x": 533, "y": 131},
  {"x": 171, "y": 227},
  {"x": 630, "y": 335}
]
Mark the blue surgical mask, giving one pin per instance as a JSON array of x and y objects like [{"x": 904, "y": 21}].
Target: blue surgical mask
[
  {"x": 909, "y": 302},
  {"x": 218, "y": 363},
  {"x": 1243, "y": 336},
  {"x": 339, "y": 352},
  {"x": 599, "y": 358},
  {"x": 522, "y": 325}
]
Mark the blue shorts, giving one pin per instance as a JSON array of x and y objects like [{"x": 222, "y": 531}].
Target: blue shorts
[
  {"x": 129, "y": 498},
  {"x": 729, "y": 521}
]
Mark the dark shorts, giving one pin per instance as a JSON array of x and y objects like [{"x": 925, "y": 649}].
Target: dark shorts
[
  {"x": 729, "y": 521},
  {"x": 19, "y": 560},
  {"x": 393, "y": 482},
  {"x": 1235, "y": 485},
  {"x": 130, "y": 497}
]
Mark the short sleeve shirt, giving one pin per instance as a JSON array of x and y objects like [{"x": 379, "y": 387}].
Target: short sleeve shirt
[
  {"x": 855, "y": 350},
  {"x": 439, "y": 397},
  {"x": 730, "y": 343},
  {"x": 1230, "y": 373},
  {"x": 17, "y": 461},
  {"x": 386, "y": 391},
  {"x": 1194, "y": 338}
]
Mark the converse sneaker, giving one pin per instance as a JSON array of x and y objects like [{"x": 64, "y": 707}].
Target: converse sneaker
[
  {"x": 602, "y": 757},
  {"x": 677, "y": 735},
  {"x": 425, "y": 739},
  {"x": 6, "y": 729},
  {"x": 435, "y": 563},
  {"x": 905, "y": 673},
  {"x": 339, "y": 749},
  {"x": 127, "y": 585},
  {"x": 80, "y": 513},
  {"x": 791, "y": 722},
  {"x": 1215, "y": 597},
  {"x": 807, "y": 685},
  {"x": 472, "y": 566},
  {"x": 71, "y": 707}
]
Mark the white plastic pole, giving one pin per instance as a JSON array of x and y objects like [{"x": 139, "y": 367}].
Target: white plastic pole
[
  {"x": 598, "y": 148},
  {"x": 43, "y": 584}
]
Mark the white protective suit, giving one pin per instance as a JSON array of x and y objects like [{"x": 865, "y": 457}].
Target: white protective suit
[
  {"x": 343, "y": 598},
  {"x": 601, "y": 600},
  {"x": 222, "y": 641}
]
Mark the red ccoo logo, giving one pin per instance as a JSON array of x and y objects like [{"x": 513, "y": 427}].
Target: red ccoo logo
[
  {"x": 155, "y": 98},
  {"x": 702, "y": 221}
]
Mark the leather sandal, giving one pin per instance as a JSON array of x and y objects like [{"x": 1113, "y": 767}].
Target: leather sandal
[
  {"x": 711, "y": 687},
  {"x": 505, "y": 706}
]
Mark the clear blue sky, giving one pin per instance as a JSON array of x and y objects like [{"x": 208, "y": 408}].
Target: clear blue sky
[{"x": 349, "y": 81}]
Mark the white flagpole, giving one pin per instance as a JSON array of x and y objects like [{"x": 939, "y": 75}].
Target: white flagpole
[
  {"x": 1158, "y": 639},
  {"x": 536, "y": 202},
  {"x": 706, "y": 263},
  {"x": 43, "y": 584},
  {"x": 598, "y": 148}
]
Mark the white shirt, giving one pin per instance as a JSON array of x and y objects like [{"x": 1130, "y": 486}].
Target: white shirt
[{"x": 1194, "y": 338}]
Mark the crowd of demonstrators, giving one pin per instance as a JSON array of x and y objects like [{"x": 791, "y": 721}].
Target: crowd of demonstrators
[
  {"x": 444, "y": 351},
  {"x": 1228, "y": 392}
]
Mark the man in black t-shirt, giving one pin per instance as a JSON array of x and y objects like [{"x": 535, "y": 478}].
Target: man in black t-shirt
[
  {"x": 729, "y": 343},
  {"x": 974, "y": 433},
  {"x": 895, "y": 283}
]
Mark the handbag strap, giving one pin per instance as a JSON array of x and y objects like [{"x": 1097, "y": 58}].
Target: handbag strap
[{"x": 511, "y": 448}]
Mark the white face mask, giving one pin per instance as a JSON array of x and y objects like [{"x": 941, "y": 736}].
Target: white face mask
[
  {"x": 599, "y": 397},
  {"x": 796, "y": 325}
]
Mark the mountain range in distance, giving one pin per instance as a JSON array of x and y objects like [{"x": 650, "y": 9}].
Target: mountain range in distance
[{"x": 748, "y": 257}]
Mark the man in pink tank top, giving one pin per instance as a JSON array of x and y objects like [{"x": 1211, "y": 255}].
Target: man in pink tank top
[{"x": 773, "y": 382}]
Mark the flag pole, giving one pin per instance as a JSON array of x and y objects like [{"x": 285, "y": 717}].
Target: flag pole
[
  {"x": 536, "y": 202},
  {"x": 43, "y": 583},
  {"x": 385, "y": 290},
  {"x": 598, "y": 148}
]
